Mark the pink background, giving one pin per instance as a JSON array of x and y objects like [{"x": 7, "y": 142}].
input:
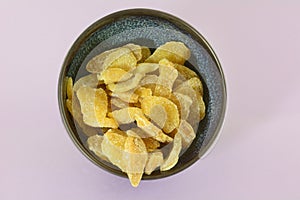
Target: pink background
[{"x": 258, "y": 154}]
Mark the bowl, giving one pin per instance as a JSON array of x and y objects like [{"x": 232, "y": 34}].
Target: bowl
[{"x": 151, "y": 28}]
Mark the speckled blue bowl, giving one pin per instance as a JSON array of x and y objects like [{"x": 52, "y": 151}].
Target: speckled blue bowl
[{"x": 149, "y": 28}]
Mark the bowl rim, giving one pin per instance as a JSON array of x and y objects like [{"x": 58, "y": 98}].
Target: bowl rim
[{"x": 99, "y": 23}]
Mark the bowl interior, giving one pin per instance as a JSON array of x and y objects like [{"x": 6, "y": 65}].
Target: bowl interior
[{"x": 149, "y": 28}]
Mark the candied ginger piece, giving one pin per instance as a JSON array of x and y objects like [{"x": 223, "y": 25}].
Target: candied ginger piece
[
  {"x": 166, "y": 78},
  {"x": 128, "y": 97},
  {"x": 155, "y": 159},
  {"x": 172, "y": 120},
  {"x": 158, "y": 115},
  {"x": 187, "y": 133},
  {"x": 131, "y": 114},
  {"x": 70, "y": 88},
  {"x": 86, "y": 97},
  {"x": 86, "y": 81},
  {"x": 173, "y": 156},
  {"x": 101, "y": 108},
  {"x": 194, "y": 116},
  {"x": 112, "y": 75},
  {"x": 116, "y": 58},
  {"x": 185, "y": 72},
  {"x": 113, "y": 146},
  {"x": 69, "y": 106},
  {"x": 151, "y": 144},
  {"x": 145, "y": 53},
  {"x": 144, "y": 68},
  {"x": 95, "y": 145},
  {"x": 78, "y": 117},
  {"x": 116, "y": 102},
  {"x": 176, "y": 52},
  {"x": 184, "y": 106},
  {"x": 135, "y": 49},
  {"x": 135, "y": 156},
  {"x": 126, "y": 85}
]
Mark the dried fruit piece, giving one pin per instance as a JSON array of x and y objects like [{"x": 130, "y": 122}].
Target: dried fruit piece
[
  {"x": 143, "y": 92},
  {"x": 201, "y": 106},
  {"x": 116, "y": 58},
  {"x": 86, "y": 97},
  {"x": 184, "y": 106},
  {"x": 78, "y": 117},
  {"x": 90, "y": 80},
  {"x": 128, "y": 97},
  {"x": 116, "y": 102},
  {"x": 155, "y": 159},
  {"x": 144, "y": 68},
  {"x": 145, "y": 53},
  {"x": 172, "y": 120},
  {"x": 194, "y": 115},
  {"x": 176, "y": 52},
  {"x": 136, "y": 157},
  {"x": 69, "y": 105},
  {"x": 173, "y": 156},
  {"x": 151, "y": 144},
  {"x": 112, "y": 75},
  {"x": 166, "y": 78},
  {"x": 184, "y": 71},
  {"x": 187, "y": 133},
  {"x": 131, "y": 114},
  {"x": 95, "y": 145},
  {"x": 101, "y": 107},
  {"x": 126, "y": 85},
  {"x": 158, "y": 115},
  {"x": 149, "y": 79},
  {"x": 113, "y": 146},
  {"x": 151, "y": 129},
  {"x": 70, "y": 88},
  {"x": 194, "y": 83},
  {"x": 135, "y": 154},
  {"x": 136, "y": 50}
]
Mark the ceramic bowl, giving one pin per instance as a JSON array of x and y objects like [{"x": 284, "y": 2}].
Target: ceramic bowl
[{"x": 150, "y": 28}]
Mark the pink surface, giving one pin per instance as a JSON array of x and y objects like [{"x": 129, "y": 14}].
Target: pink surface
[{"x": 258, "y": 154}]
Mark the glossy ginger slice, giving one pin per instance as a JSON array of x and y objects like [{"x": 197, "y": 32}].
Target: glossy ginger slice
[
  {"x": 176, "y": 52},
  {"x": 184, "y": 106},
  {"x": 135, "y": 156},
  {"x": 187, "y": 133},
  {"x": 93, "y": 104},
  {"x": 113, "y": 146},
  {"x": 101, "y": 108},
  {"x": 112, "y": 75},
  {"x": 131, "y": 114},
  {"x": 95, "y": 145},
  {"x": 155, "y": 159},
  {"x": 116, "y": 58},
  {"x": 166, "y": 78},
  {"x": 90, "y": 80},
  {"x": 173, "y": 156},
  {"x": 126, "y": 85},
  {"x": 172, "y": 120}
]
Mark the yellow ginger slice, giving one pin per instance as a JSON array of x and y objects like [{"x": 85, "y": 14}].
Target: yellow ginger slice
[
  {"x": 112, "y": 75},
  {"x": 136, "y": 157},
  {"x": 176, "y": 52},
  {"x": 173, "y": 156},
  {"x": 187, "y": 133},
  {"x": 95, "y": 145},
  {"x": 131, "y": 114},
  {"x": 155, "y": 159},
  {"x": 116, "y": 58},
  {"x": 184, "y": 106},
  {"x": 86, "y": 81},
  {"x": 172, "y": 120}
]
